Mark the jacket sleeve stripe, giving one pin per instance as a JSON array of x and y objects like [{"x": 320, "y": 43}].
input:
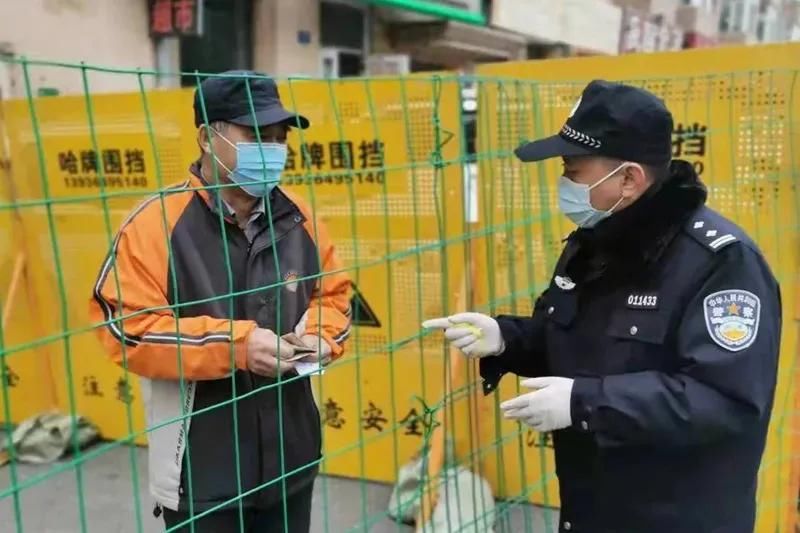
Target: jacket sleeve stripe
[
  {"x": 187, "y": 339},
  {"x": 108, "y": 311},
  {"x": 345, "y": 333},
  {"x": 343, "y": 336}
]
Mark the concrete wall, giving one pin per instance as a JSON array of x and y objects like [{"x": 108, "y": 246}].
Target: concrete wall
[
  {"x": 275, "y": 37},
  {"x": 698, "y": 20},
  {"x": 590, "y": 25},
  {"x": 666, "y": 8},
  {"x": 99, "y": 32},
  {"x": 116, "y": 33}
]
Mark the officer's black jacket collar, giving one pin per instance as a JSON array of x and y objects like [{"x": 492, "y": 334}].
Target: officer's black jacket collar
[{"x": 636, "y": 236}]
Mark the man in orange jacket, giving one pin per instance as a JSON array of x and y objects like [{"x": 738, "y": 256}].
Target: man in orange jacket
[{"x": 199, "y": 286}]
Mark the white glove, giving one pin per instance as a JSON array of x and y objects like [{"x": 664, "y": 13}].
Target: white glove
[
  {"x": 476, "y": 335},
  {"x": 545, "y": 409}
]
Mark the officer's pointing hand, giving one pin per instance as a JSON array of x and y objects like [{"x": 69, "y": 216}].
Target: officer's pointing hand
[
  {"x": 545, "y": 409},
  {"x": 476, "y": 335}
]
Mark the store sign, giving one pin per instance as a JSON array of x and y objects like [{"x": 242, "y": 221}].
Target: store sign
[{"x": 176, "y": 17}]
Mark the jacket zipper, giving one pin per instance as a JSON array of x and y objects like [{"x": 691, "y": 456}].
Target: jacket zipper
[
  {"x": 297, "y": 220},
  {"x": 251, "y": 254},
  {"x": 250, "y": 378}
]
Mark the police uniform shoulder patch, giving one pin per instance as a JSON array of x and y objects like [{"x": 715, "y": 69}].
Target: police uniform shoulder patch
[
  {"x": 712, "y": 230},
  {"x": 732, "y": 318},
  {"x": 564, "y": 283}
]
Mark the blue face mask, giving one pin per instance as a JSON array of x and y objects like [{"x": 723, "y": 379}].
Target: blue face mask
[
  {"x": 258, "y": 166},
  {"x": 574, "y": 200}
]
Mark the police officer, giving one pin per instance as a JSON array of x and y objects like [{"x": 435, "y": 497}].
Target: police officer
[{"x": 653, "y": 352}]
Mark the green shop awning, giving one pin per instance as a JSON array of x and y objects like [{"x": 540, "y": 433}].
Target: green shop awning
[{"x": 434, "y": 9}]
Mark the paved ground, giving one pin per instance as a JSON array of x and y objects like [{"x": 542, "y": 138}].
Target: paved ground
[{"x": 52, "y": 506}]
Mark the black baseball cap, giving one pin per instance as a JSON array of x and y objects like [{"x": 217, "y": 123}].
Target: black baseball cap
[
  {"x": 612, "y": 120},
  {"x": 226, "y": 98}
]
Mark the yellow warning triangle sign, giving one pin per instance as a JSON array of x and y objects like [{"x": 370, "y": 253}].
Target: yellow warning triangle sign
[{"x": 363, "y": 315}]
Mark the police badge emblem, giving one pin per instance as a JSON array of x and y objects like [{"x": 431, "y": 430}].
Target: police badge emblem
[
  {"x": 290, "y": 280},
  {"x": 732, "y": 318}
]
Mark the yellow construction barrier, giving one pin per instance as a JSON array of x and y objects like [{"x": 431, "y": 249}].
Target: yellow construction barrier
[
  {"x": 25, "y": 376},
  {"x": 736, "y": 120},
  {"x": 68, "y": 236},
  {"x": 373, "y": 167}
]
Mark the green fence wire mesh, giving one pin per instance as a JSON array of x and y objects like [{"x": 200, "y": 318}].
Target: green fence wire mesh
[{"x": 428, "y": 213}]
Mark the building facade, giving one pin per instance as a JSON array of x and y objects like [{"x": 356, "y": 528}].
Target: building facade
[
  {"x": 338, "y": 38},
  {"x": 112, "y": 33}
]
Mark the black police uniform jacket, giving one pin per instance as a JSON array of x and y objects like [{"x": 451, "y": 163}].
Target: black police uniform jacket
[{"x": 668, "y": 319}]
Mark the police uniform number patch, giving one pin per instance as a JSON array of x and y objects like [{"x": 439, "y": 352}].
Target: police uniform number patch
[
  {"x": 732, "y": 318},
  {"x": 643, "y": 301}
]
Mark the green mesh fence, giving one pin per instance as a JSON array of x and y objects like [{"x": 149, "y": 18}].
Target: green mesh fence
[{"x": 429, "y": 213}]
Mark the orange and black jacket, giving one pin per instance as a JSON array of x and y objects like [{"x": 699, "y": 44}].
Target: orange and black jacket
[{"x": 177, "y": 296}]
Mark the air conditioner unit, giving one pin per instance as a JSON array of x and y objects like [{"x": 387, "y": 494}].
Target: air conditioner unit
[{"x": 388, "y": 64}]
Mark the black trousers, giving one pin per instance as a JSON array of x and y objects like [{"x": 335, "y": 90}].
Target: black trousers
[{"x": 271, "y": 520}]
